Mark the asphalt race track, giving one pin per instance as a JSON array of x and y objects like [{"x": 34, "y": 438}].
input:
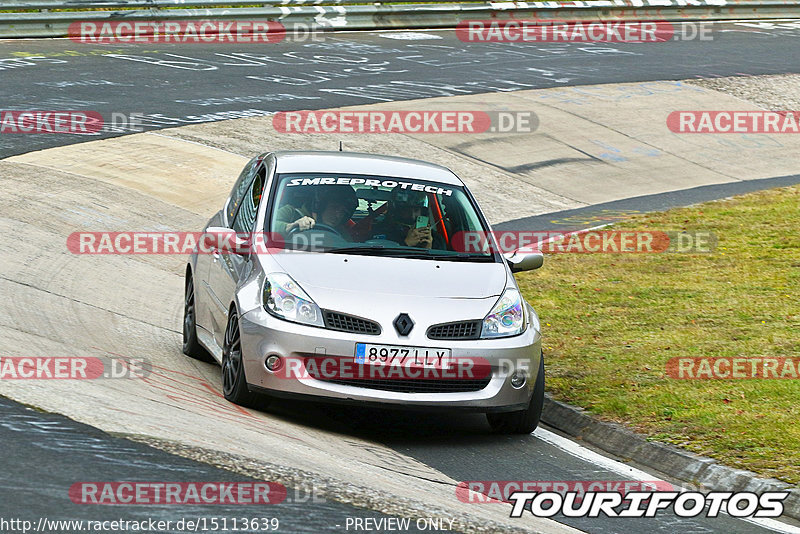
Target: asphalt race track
[
  {"x": 52, "y": 448},
  {"x": 175, "y": 85}
]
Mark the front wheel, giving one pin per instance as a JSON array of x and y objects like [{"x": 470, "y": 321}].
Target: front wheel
[
  {"x": 234, "y": 383},
  {"x": 523, "y": 421},
  {"x": 192, "y": 347}
]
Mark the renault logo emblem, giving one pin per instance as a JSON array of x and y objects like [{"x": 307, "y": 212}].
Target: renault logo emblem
[{"x": 403, "y": 324}]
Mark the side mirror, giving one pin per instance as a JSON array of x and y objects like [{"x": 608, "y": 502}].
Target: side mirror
[
  {"x": 226, "y": 240},
  {"x": 524, "y": 262}
]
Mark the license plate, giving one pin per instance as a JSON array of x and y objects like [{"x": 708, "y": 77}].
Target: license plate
[{"x": 369, "y": 354}]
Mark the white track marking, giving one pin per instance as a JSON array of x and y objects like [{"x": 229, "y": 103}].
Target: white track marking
[
  {"x": 587, "y": 455},
  {"x": 409, "y": 36}
]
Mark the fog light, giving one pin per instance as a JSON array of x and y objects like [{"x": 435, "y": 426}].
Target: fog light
[
  {"x": 518, "y": 379},
  {"x": 273, "y": 362}
]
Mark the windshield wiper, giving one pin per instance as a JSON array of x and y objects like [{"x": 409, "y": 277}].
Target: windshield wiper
[
  {"x": 461, "y": 256},
  {"x": 412, "y": 253},
  {"x": 363, "y": 249}
]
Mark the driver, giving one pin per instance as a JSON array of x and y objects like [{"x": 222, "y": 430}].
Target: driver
[
  {"x": 295, "y": 212},
  {"x": 333, "y": 207},
  {"x": 328, "y": 205},
  {"x": 400, "y": 223}
]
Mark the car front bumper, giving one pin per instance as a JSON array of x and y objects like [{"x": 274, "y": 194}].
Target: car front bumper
[{"x": 263, "y": 335}]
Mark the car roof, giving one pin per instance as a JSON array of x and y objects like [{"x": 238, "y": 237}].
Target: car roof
[{"x": 361, "y": 163}]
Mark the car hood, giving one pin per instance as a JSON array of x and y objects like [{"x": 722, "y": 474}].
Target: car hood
[{"x": 373, "y": 275}]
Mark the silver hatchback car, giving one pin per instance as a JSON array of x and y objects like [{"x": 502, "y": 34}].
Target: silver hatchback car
[{"x": 358, "y": 278}]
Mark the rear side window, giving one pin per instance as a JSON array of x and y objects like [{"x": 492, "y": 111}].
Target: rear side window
[
  {"x": 246, "y": 216},
  {"x": 241, "y": 187}
]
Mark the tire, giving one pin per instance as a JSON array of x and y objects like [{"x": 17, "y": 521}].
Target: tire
[
  {"x": 192, "y": 347},
  {"x": 523, "y": 421},
  {"x": 234, "y": 382}
]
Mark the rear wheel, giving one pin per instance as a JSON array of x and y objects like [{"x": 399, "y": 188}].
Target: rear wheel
[
  {"x": 234, "y": 383},
  {"x": 192, "y": 347},
  {"x": 522, "y": 421}
]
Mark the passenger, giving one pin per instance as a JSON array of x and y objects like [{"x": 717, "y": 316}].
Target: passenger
[{"x": 400, "y": 222}]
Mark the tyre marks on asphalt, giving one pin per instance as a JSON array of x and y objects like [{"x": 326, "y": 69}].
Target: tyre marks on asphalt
[{"x": 175, "y": 85}]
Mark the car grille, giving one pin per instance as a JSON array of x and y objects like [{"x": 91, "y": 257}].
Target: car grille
[
  {"x": 415, "y": 386},
  {"x": 458, "y": 330},
  {"x": 347, "y": 323}
]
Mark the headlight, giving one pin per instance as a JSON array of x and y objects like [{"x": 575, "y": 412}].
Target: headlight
[
  {"x": 284, "y": 298},
  {"x": 506, "y": 318}
]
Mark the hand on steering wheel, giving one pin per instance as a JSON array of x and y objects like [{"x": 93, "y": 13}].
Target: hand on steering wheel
[{"x": 301, "y": 224}]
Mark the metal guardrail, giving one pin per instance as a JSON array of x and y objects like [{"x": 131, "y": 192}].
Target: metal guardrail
[
  {"x": 21, "y": 5},
  {"x": 374, "y": 14}
]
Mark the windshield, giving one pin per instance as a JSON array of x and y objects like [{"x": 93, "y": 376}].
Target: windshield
[{"x": 377, "y": 215}]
